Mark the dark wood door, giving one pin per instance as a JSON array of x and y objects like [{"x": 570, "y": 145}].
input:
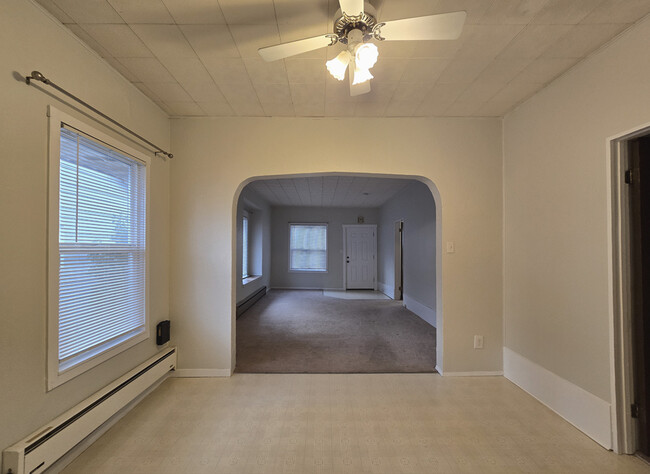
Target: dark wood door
[{"x": 639, "y": 183}]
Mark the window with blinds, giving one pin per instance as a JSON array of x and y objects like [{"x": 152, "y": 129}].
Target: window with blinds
[
  {"x": 308, "y": 247},
  {"x": 244, "y": 248},
  {"x": 102, "y": 258}
]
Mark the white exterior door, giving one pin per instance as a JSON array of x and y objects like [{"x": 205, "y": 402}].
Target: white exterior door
[{"x": 360, "y": 258}]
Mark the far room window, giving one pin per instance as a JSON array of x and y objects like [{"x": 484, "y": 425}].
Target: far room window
[
  {"x": 98, "y": 248},
  {"x": 244, "y": 259},
  {"x": 308, "y": 247}
]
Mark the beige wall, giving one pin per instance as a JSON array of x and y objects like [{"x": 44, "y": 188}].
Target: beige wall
[
  {"x": 29, "y": 39},
  {"x": 556, "y": 202},
  {"x": 463, "y": 157}
]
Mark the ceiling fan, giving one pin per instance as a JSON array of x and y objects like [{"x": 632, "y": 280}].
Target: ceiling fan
[{"x": 357, "y": 27}]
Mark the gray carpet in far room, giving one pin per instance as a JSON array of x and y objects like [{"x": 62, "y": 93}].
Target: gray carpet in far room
[{"x": 302, "y": 331}]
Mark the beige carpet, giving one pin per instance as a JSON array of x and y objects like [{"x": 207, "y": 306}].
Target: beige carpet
[{"x": 305, "y": 332}]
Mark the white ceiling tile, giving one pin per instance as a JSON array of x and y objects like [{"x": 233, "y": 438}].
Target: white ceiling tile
[
  {"x": 582, "y": 40},
  {"x": 389, "y": 69},
  {"x": 275, "y": 109},
  {"x": 401, "y": 109},
  {"x": 338, "y": 91},
  {"x": 89, "y": 11},
  {"x": 448, "y": 92},
  {"x": 56, "y": 11},
  {"x": 310, "y": 110},
  {"x": 240, "y": 92},
  {"x": 308, "y": 93},
  {"x": 89, "y": 40},
  {"x": 302, "y": 188},
  {"x": 618, "y": 11},
  {"x": 504, "y": 69},
  {"x": 250, "y": 38},
  {"x": 211, "y": 41},
  {"x": 260, "y": 71},
  {"x": 164, "y": 40},
  {"x": 216, "y": 109},
  {"x": 411, "y": 91},
  {"x": 248, "y": 109},
  {"x": 565, "y": 12},
  {"x": 481, "y": 91},
  {"x": 487, "y": 41},
  {"x": 227, "y": 70},
  {"x": 433, "y": 108},
  {"x": 475, "y": 8},
  {"x": 424, "y": 69},
  {"x": 316, "y": 190},
  {"x": 185, "y": 109},
  {"x": 146, "y": 91},
  {"x": 534, "y": 40},
  {"x": 397, "y": 49},
  {"x": 195, "y": 12},
  {"x": 119, "y": 67},
  {"x": 186, "y": 69},
  {"x": 300, "y": 71},
  {"x": 516, "y": 92},
  {"x": 509, "y": 12},
  {"x": 169, "y": 91},
  {"x": 273, "y": 93},
  {"x": 248, "y": 12},
  {"x": 462, "y": 109},
  {"x": 142, "y": 11},
  {"x": 543, "y": 70},
  {"x": 339, "y": 109},
  {"x": 147, "y": 69},
  {"x": 379, "y": 92},
  {"x": 433, "y": 49},
  {"x": 204, "y": 92},
  {"x": 302, "y": 12},
  {"x": 463, "y": 70},
  {"x": 119, "y": 40},
  {"x": 370, "y": 109}
]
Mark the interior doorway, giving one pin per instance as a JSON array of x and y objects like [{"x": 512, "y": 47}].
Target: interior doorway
[
  {"x": 399, "y": 253},
  {"x": 360, "y": 251},
  {"x": 639, "y": 197}
]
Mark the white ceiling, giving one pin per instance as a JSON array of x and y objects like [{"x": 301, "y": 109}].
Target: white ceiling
[
  {"x": 329, "y": 191},
  {"x": 199, "y": 57}
]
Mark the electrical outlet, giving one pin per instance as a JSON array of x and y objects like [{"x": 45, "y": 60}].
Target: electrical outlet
[{"x": 478, "y": 342}]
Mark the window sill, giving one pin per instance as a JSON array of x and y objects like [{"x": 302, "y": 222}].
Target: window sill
[{"x": 250, "y": 279}]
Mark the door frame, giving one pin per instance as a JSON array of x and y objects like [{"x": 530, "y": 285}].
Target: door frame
[
  {"x": 621, "y": 345},
  {"x": 345, "y": 251}
]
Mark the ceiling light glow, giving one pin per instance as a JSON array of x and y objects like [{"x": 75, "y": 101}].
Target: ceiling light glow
[
  {"x": 365, "y": 55},
  {"x": 337, "y": 66},
  {"x": 361, "y": 75}
]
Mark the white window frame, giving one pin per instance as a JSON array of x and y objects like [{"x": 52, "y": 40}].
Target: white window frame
[
  {"x": 327, "y": 247},
  {"x": 55, "y": 376},
  {"x": 245, "y": 245}
]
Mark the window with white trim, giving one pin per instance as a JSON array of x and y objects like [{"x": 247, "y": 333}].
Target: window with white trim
[
  {"x": 308, "y": 247},
  {"x": 244, "y": 247},
  {"x": 98, "y": 249}
]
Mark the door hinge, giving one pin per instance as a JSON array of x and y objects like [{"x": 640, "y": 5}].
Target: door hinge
[
  {"x": 634, "y": 410},
  {"x": 629, "y": 177}
]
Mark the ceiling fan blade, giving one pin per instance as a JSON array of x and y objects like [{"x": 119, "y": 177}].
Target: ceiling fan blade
[
  {"x": 357, "y": 89},
  {"x": 446, "y": 26},
  {"x": 284, "y": 50},
  {"x": 351, "y": 7}
]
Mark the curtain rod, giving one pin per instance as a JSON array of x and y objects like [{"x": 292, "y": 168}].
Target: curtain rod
[{"x": 40, "y": 77}]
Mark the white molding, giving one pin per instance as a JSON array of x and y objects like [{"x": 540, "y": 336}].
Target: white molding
[
  {"x": 584, "y": 410},
  {"x": 386, "y": 289},
  {"x": 191, "y": 373},
  {"x": 478, "y": 373},
  {"x": 304, "y": 288},
  {"x": 423, "y": 311}
]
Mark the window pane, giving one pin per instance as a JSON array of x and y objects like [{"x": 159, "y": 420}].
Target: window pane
[
  {"x": 244, "y": 263},
  {"x": 308, "y": 247}
]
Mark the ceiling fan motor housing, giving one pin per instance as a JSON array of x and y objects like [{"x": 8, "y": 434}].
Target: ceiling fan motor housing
[{"x": 364, "y": 23}]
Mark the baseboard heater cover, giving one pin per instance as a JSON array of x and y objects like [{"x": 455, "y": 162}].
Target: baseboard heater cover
[
  {"x": 250, "y": 301},
  {"x": 41, "y": 449}
]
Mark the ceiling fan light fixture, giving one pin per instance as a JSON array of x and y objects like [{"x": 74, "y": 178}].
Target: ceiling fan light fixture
[
  {"x": 338, "y": 65},
  {"x": 365, "y": 55},
  {"x": 361, "y": 75}
]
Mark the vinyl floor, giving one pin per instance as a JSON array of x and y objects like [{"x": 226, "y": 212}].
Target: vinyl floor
[{"x": 345, "y": 423}]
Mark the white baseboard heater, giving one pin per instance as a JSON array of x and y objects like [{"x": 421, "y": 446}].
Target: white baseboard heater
[{"x": 44, "y": 447}]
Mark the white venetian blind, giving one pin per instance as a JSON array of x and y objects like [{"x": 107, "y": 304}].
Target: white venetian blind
[
  {"x": 244, "y": 245},
  {"x": 308, "y": 247},
  {"x": 102, "y": 267}
]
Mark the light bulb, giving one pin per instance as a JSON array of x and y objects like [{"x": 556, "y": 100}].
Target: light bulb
[
  {"x": 337, "y": 66},
  {"x": 361, "y": 75},
  {"x": 366, "y": 55}
]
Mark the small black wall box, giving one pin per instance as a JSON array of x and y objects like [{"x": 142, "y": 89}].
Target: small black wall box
[{"x": 162, "y": 332}]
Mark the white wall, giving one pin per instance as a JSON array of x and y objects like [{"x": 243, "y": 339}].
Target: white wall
[
  {"x": 259, "y": 230},
  {"x": 556, "y": 206},
  {"x": 29, "y": 40},
  {"x": 335, "y": 217},
  {"x": 215, "y": 157},
  {"x": 414, "y": 206}
]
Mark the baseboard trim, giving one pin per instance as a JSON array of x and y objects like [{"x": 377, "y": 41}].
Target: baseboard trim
[
  {"x": 584, "y": 410},
  {"x": 477, "y": 373},
  {"x": 305, "y": 288},
  {"x": 426, "y": 313},
  {"x": 386, "y": 289},
  {"x": 182, "y": 373}
]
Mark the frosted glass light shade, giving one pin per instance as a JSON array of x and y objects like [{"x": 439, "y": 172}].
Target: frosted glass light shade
[
  {"x": 361, "y": 75},
  {"x": 365, "y": 55},
  {"x": 337, "y": 66}
]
